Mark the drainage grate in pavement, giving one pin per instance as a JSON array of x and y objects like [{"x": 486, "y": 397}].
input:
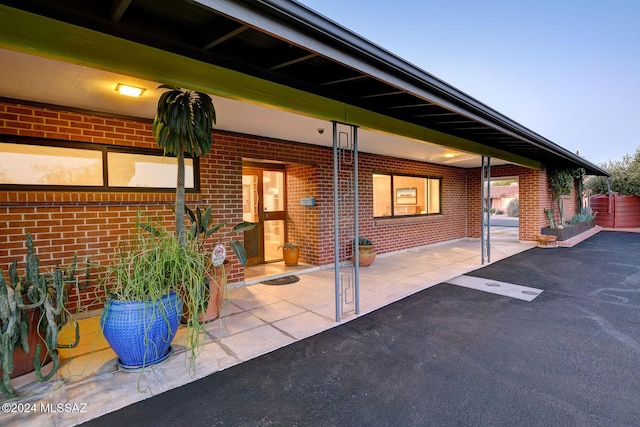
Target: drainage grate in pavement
[{"x": 524, "y": 293}]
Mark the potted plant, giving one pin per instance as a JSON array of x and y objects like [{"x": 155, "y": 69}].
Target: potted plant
[
  {"x": 201, "y": 230},
  {"x": 32, "y": 310},
  {"x": 366, "y": 252},
  {"x": 290, "y": 253},
  {"x": 183, "y": 124},
  {"x": 150, "y": 278}
]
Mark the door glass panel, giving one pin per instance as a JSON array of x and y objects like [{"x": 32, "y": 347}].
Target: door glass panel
[
  {"x": 273, "y": 194},
  {"x": 250, "y": 213},
  {"x": 250, "y": 198},
  {"x": 273, "y": 187},
  {"x": 273, "y": 238}
]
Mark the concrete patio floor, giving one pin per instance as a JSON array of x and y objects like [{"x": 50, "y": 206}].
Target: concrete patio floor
[{"x": 256, "y": 319}]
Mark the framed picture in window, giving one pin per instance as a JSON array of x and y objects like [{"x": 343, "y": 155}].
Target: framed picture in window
[{"x": 407, "y": 196}]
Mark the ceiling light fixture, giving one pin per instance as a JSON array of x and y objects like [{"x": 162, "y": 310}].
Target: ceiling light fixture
[
  {"x": 449, "y": 155},
  {"x": 129, "y": 90}
]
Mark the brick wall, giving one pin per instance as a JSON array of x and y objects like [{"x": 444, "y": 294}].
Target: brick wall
[
  {"x": 302, "y": 221},
  {"x": 64, "y": 223},
  {"x": 534, "y": 198},
  {"x": 90, "y": 223},
  {"x": 402, "y": 233}
]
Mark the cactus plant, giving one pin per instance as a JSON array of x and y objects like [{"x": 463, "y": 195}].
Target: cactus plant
[{"x": 44, "y": 292}]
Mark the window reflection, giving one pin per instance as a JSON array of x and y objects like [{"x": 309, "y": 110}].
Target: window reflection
[
  {"x": 142, "y": 170},
  {"x": 399, "y": 195},
  {"x": 40, "y": 165},
  {"x": 50, "y": 165}
]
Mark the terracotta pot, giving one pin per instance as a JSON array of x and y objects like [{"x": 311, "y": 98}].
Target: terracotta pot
[
  {"x": 290, "y": 256},
  {"x": 213, "y": 306},
  {"x": 23, "y": 362},
  {"x": 366, "y": 255}
]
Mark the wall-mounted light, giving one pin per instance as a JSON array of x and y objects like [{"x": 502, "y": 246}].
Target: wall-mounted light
[
  {"x": 129, "y": 90},
  {"x": 449, "y": 155}
]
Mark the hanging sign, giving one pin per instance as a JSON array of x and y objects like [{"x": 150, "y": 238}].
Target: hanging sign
[{"x": 218, "y": 255}]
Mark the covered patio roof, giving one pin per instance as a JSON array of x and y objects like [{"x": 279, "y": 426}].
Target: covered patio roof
[{"x": 275, "y": 53}]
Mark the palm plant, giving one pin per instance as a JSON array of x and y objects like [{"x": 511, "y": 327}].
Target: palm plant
[{"x": 183, "y": 124}]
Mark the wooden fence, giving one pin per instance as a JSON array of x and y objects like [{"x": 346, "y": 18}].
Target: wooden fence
[{"x": 616, "y": 211}]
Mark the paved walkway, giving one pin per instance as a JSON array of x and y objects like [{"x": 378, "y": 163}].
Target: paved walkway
[
  {"x": 449, "y": 356},
  {"x": 257, "y": 319}
]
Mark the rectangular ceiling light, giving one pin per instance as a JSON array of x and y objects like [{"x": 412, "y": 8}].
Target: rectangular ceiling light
[{"x": 129, "y": 90}]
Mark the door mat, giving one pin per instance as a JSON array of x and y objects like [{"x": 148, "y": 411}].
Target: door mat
[{"x": 287, "y": 280}]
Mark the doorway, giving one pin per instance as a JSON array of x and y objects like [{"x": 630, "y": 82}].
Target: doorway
[
  {"x": 505, "y": 209},
  {"x": 264, "y": 203}
]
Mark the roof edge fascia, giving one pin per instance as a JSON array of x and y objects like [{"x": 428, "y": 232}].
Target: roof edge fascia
[{"x": 447, "y": 95}]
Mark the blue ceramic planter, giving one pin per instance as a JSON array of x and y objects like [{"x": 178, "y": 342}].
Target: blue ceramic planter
[{"x": 140, "y": 333}]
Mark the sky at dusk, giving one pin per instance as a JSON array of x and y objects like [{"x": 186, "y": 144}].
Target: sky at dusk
[{"x": 567, "y": 70}]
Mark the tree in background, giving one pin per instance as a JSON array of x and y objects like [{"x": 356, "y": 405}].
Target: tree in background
[
  {"x": 513, "y": 208},
  {"x": 625, "y": 176},
  {"x": 501, "y": 182}
]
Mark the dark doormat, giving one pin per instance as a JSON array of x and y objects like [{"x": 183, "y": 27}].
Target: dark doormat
[{"x": 287, "y": 280}]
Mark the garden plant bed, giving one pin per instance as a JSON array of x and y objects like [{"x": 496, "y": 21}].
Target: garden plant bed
[{"x": 567, "y": 232}]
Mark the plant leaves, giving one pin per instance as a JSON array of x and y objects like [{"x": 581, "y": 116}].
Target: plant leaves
[{"x": 239, "y": 250}]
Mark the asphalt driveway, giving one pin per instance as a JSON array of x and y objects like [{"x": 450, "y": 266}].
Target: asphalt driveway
[{"x": 449, "y": 356}]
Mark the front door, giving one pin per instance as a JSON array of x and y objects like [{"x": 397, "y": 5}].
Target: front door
[{"x": 264, "y": 201}]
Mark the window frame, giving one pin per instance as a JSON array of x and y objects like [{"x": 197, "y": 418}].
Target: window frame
[
  {"x": 392, "y": 195},
  {"x": 104, "y": 149}
]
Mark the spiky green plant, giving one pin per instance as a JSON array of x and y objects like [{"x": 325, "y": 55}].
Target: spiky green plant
[
  {"x": 549, "y": 213},
  {"x": 44, "y": 292},
  {"x": 183, "y": 124},
  {"x": 203, "y": 227}
]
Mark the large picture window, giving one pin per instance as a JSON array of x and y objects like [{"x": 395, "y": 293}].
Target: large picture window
[
  {"x": 403, "y": 195},
  {"x": 52, "y": 164}
]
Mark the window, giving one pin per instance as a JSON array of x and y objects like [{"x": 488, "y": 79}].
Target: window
[
  {"x": 402, "y": 195},
  {"x": 24, "y": 162},
  {"x": 144, "y": 170},
  {"x": 40, "y": 165}
]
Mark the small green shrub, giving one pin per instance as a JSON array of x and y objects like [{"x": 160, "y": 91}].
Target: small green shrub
[
  {"x": 363, "y": 241},
  {"x": 582, "y": 217},
  {"x": 513, "y": 208}
]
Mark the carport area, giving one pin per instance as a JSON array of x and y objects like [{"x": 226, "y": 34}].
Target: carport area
[{"x": 449, "y": 355}]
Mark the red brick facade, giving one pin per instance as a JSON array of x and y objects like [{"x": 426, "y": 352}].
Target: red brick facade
[{"x": 89, "y": 223}]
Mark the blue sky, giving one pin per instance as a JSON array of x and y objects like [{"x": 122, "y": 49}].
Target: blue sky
[{"x": 568, "y": 70}]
